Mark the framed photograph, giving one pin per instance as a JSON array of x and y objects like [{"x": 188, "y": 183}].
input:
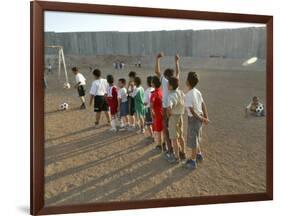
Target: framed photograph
[{"x": 141, "y": 107}]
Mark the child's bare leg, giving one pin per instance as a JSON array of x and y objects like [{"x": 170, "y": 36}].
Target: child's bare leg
[
  {"x": 113, "y": 121},
  {"x": 132, "y": 120},
  {"x": 158, "y": 138},
  {"x": 149, "y": 131},
  {"x": 98, "y": 114},
  {"x": 182, "y": 144},
  {"x": 141, "y": 120},
  {"x": 107, "y": 115},
  {"x": 193, "y": 153},
  {"x": 198, "y": 149},
  {"x": 176, "y": 147},
  {"x": 82, "y": 98}
]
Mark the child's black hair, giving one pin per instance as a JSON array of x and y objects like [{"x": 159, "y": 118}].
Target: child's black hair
[
  {"x": 149, "y": 80},
  {"x": 169, "y": 72},
  {"x": 156, "y": 81},
  {"x": 174, "y": 82},
  {"x": 192, "y": 79},
  {"x": 74, "y": 69},
  {"x": 132, "y": 74},
  {"x": 122, "y": 80},
  {"x": 137, "y": 81},
  {"x": 110, "y": 79},
  {"x": 97, "y": 73}
]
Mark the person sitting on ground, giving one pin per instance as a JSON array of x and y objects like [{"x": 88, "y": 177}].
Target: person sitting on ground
[{"x": 255, "y": 107}]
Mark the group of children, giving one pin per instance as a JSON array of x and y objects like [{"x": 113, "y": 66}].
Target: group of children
[{"x": 157, "y": 111}]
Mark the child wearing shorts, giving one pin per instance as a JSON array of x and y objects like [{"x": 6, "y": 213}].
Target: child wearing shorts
[
  {"x": 138, "y": 96},
  {"x": 131, "y": 102},
  {"x": 197, "y": 115},
  {"x": 97, "y": 94},
  {"x": 175, "y": 112},
  {"x": 80, "y": 81},
  {"x": 112, "y": 100},
  {"x": 123, "y": 104},
  {"x": 157, "y": 113},
  {"x": 148, "y": 118}
]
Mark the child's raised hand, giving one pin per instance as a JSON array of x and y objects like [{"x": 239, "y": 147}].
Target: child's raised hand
[
  {"x": 177, "y": 57},
  {"x": 160, "y": 55}
]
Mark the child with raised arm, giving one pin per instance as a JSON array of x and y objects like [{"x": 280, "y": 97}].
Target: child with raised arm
[
  {"x": 138, "y": 96},
  {"x": 123, "y": 104},
  {"x": 168, "y": 73},
  {"x": 97, "y": 94},
  {"x": 80, "y": 83},
  {"x": 175, "y": 111},
  {"x": 112, "y": 100},
  {"x": 197, "y": 115},
  {"x": 148, "y": 118}
]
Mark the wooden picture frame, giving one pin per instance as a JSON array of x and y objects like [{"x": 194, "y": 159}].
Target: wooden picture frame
[{"x": 37, "y": 105}]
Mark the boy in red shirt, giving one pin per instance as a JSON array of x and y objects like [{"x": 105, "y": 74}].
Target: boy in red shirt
[
  {"x": 112, "y": 100},
  {"x": 157, "y": 113}
]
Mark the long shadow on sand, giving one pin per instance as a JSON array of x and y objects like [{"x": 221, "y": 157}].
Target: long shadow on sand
[
  {"x": 72, "y": 134},
  {"x": 95, "y": 181},
  {"x": 91, "y": 164},
  {"x": 79, "y": 146}
]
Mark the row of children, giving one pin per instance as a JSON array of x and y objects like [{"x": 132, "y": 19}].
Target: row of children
[{"x": 159, "y": 109}]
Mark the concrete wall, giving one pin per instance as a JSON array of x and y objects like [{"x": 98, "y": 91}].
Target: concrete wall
[{"x": 229, "y": 43}]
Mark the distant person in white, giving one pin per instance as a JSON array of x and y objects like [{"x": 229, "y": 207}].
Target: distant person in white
[
  {"x": 98, "y": 92},
  {"x": 80, "y": 83}
]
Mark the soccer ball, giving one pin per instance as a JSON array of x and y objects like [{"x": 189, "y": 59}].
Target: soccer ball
[
  {"x": 66, "y": 85},
  {"x": 63, "y": 106},
  {"x": 259, "y": 109}
]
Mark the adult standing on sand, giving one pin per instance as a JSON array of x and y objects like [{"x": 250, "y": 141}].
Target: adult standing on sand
[{"x": 168, "y": 73}]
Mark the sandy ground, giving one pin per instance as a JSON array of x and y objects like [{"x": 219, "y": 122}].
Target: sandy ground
[{"x": 93, "y": 165}]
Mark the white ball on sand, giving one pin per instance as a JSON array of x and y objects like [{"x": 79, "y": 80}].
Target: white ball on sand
[
  {"x": 259, "y": 109},
  {"x": 63, "y": 106},
  {"x": 66, "y": 85}
]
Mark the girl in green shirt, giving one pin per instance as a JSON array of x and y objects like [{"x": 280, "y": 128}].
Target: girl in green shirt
[{"x": 138, "y": 95}]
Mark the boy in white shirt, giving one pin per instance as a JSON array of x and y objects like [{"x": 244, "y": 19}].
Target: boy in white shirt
[
  {"x": 197, "y": 115},
  {"x": 80, "y": 83},
  {"x": 98, "y": 94}
]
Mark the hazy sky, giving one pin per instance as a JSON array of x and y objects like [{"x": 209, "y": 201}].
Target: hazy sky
[{"x": 81, "y": 22}]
